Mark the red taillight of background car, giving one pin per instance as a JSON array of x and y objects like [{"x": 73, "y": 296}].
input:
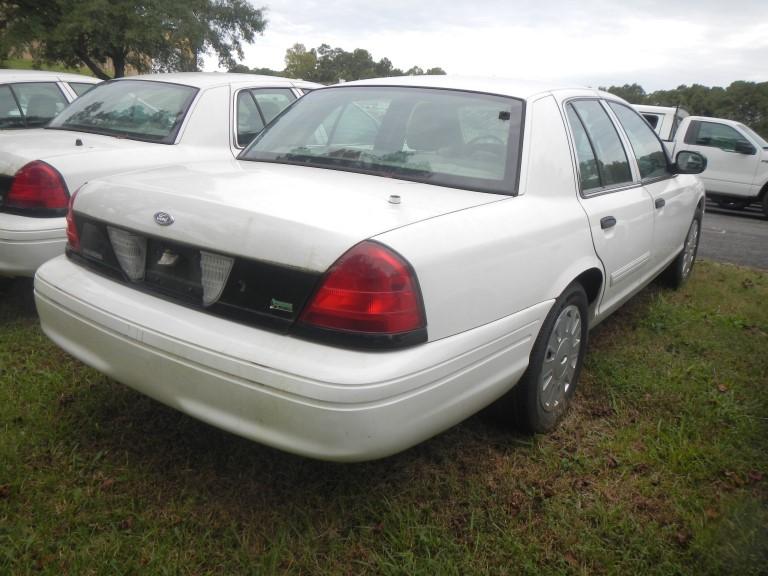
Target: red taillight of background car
[
  {"x": 73, "y": 238},
  {"x": 39, "y": 188},
  {"x": 370, "y": 289}
]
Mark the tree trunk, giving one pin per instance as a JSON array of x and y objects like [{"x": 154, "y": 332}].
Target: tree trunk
[
  {"x": 93, "y": 66},
  {"x": 118, "y": 61}
]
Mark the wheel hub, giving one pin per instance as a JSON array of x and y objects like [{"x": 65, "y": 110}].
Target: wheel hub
[{"x": 560, "y": 358}]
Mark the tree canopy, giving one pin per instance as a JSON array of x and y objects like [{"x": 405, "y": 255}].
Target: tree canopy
[
  {"x": 745, "y": 102},
  {"x": 330, "y": 65},
  {"x": 111, "y": 35}
]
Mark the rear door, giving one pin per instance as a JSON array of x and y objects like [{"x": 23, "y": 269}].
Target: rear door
[
  {"x": 620, "y": 209},
  {"x": 674, "y": 202}
]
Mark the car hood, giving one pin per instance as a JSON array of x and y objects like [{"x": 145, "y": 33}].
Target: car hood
[{"x": 291, "y": 215}]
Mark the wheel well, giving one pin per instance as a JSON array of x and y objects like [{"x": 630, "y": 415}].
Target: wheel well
[
  {"x": 592, "y": 281},
  {"x": 763, "y": 191}
]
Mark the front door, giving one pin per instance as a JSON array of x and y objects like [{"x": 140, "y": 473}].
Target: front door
[{"x": 728, "y": 171}]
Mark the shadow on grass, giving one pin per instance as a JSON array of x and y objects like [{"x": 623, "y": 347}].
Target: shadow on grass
[
  {"x": 166, "y": 456},
  {"x": 16, "y": 299}
]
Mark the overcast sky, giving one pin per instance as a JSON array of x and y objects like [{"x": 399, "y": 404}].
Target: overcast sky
[{"x": 657, "y": 43}]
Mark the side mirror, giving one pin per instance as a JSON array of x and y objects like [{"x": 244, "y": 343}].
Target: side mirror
[
  {"x": 690, "y": 163},
  {"x": 743, "y": 147}
]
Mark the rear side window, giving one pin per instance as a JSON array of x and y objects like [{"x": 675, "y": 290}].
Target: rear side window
[
  {"x": 652, "y": 119},
  {"x": 80, "y": 88},
  {"x": 606, "y": 148},
  {"x": 39, "y": 102},
  {"x": 10, "y": 115},
  {"x": 714, "y": 135},
  {"x": 258, "y": 107},
  {"x": 589, "y": 174},
  {"x": 649, "y": 151}
]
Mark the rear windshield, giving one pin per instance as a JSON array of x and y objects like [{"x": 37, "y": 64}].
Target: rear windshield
[
  {"x": 135, "y": 109},
  {"x": 444, "y": 137}
]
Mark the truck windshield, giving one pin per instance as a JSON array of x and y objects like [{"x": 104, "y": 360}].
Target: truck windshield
[
  {"x": 135, "y": 109},
  {"x": 755, "y": 136},
  {"x": 443, "y": 137}
]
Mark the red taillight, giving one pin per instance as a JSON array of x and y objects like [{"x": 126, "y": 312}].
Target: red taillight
[
  {"x": 37, "y": 186},
  {"x": 369, "y": 289},
  {"x": 73, "y": 238}
]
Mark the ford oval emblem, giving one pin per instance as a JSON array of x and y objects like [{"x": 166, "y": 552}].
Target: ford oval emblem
[{"x": 163, "y": 218}]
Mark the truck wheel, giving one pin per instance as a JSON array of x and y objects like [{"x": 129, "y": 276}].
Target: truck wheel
[
  {"x": 679, "y": 270},
  {"x": 543, "y": 394}
]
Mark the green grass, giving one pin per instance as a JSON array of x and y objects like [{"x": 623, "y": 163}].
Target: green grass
[
  {"x": 660, "y": 468},
  {"x": 26, "y": 64}
]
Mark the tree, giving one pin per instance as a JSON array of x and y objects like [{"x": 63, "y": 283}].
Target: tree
[
  {"x": 161, "y": 35},
  {"x": 745, "y": 102},
  {"x": 632, "y": 93},
  {"x": 329, "y": 65},
  {"x": 300, "y": 63}
]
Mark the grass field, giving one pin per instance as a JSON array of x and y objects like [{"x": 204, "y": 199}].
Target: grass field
[
  {"x": 661, "y": 468},
  {"x": 26, "y": 64}
]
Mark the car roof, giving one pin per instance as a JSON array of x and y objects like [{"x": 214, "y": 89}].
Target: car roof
[
  {"x": 212, "y": 79},
  {"x": 491, "y": 85},
  {"x": 13, "y": 75}
]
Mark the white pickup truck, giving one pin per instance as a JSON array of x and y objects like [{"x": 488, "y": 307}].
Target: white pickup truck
[{"x": 737, "y": 157}]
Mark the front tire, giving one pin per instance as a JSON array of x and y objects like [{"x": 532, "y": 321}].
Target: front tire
[
  {"x": 765, "y": 204},
  {"x": 679, "y": 270},
  {"x": 541, "y": 398}
]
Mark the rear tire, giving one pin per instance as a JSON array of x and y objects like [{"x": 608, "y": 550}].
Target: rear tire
[
  {"x": 541, "y": 398},
  {"x": 679, "y": 270}
]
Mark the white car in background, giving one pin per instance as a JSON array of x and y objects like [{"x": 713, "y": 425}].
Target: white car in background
[
  {"x": 386, "y": 259},
  {"x": 31, "y": 98},
  {"x": 663, "y": 119},
  {"x": 124, "y": 124}
]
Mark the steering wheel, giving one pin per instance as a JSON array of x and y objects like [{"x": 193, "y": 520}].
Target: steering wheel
[{"x": 486, "y": 144}]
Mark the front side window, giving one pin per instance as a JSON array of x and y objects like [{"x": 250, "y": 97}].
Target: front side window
[
  {"x": 10, "y": 114},
  {"x": 612, "y": 162},
  {"x": 137, "y": 109},
  {"x": 258, "y": 107},
  {"x": 39, "y": 102},
  {"x": 759, "y": 139},
  {"x": 649, "y": 151},
  {"x": 443, "y": 137},
  {"x": 714, "y": 135}
]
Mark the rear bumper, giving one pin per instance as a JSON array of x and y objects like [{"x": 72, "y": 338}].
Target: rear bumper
[
  {"x": 25, "y": 243},
  {"x": 299, "y": 396}
]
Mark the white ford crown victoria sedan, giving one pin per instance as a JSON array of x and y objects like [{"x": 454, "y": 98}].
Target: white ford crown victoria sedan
[
  {"x": 121, "y": 125},
  {"x": 31, "y": 98},
  {"x": 386, "y": 259}
]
